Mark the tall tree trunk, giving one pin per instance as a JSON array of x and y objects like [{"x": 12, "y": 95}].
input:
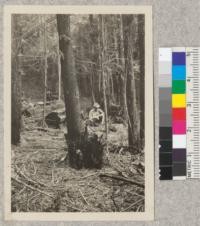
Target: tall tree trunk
[
  {"x": 15, "y": 82},
  {"x": 92, "y": 52},
  {"x": 142, "y": 74},
  {"x": 115, "y": 79},
  {"x": 84, "y": 151},
  {"x": 133, "y": 114},
  {"x": 102, "y": 66},
  {"x": 59, "y": 72},
  {"x": 122, "y": 77},
  {"x": 45, "y": 68},
  {"x": 70, "y": 86}
]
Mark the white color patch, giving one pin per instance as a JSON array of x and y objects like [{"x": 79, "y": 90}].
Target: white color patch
[
  {"x": 165, "y": 54},
  {"x": 179, "y": 141}
]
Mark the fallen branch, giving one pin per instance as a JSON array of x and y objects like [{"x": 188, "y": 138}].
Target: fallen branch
[
  {"x": 32, "y": 188},
  {"x": 20, "y": 173},
  {"x": 132, "y": 205},
  {"x": 74, "y": 208},
  {"x": 116, "y": 177},
  {"x": 136, "y": 194},
  {"x": 89, "y": 175},
  {"x": 42, "y": 129},
  {"x": 84, "y": 198}
]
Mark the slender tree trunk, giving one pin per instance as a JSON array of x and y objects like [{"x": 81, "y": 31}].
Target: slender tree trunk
[
  {"x": 45, "y": 69},
  {"x": 100, "y": 79},
  {"x": 102, "y": 66},
  {"x": 15, "y": 82},
  {"x": 133, "y": 115},
  {"x": 70, "y": 86},
  {"x": 135, "y": 33},
  {"x": 92, "y": 51},
  {"x": 59, "y": 73},
  {"x": 115, "y": 79},
  {"x": 123, "y": 74},
  {"x": 142, "y": 74},
  {"x": 112, "y": 93}
]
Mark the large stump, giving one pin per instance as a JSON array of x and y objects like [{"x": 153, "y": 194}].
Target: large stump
[{"x": 87, "y": 152}]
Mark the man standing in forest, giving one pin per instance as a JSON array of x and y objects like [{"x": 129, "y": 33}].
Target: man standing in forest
[{"x": 96, "y": 115}]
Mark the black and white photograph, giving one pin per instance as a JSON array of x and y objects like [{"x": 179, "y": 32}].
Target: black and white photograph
[{"x": 78, "y": 113}]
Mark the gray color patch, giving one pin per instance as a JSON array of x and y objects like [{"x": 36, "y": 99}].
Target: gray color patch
[
  {"x": 165, "y": 68},
  {"x": 179, "y": 169},
  {"x": 165, "y": 107},
  {"x": 165, "y": 120},
  {"x": 165, "y": 93},
  {"x": 165, "y": 80}
]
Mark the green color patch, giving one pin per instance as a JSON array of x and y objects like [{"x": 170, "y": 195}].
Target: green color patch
[{"x": 178, "y": 86}]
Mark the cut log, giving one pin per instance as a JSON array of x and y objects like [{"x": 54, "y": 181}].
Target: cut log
[{"x": 55, "y": 118}]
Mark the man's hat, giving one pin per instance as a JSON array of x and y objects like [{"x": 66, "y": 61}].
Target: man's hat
[{"x": 96, "y": 105}]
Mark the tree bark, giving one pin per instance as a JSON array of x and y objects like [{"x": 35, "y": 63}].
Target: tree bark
[
  {"x": 70, "y": 86},
  {"x": 59, "y": 73},
  {"x": 142, "y": 74},
  {"x": 15, "y": 82},
  {"x": 92, "y": 52},
  {"x": 122, "y": 77},
  {"x": 85, "y": 150},
  {"x": 133, "y": 113},
  {"x": 45, "y": 68},
  {"x": 102, "y": 66}
]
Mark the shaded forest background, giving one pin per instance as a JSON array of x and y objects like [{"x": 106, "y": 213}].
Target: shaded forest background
[{"x": 86, "y": 33}]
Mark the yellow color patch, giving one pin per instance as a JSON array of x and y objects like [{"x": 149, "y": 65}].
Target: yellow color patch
[{"x": 178, "y": 101}]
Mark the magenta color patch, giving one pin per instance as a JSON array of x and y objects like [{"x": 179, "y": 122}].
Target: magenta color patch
[{"x": 179, "y": 127}]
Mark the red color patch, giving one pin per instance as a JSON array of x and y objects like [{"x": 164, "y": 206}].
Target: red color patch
[{"x": 179, "y": 114}]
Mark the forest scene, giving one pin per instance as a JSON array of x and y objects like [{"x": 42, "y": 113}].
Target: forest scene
[{"x": 77, "y": 113}]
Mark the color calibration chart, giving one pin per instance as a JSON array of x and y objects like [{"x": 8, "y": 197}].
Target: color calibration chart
[{"x": 179, "y": 113}]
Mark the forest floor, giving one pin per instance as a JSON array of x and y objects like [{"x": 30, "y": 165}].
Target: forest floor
[{"x": 42, "y": 182}]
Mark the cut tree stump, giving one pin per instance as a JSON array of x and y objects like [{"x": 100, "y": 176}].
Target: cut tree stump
[{"x": 86, "y": 152}]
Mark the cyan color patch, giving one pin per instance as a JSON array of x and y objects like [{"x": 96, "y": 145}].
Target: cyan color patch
[{"x": 178, "y": 72}]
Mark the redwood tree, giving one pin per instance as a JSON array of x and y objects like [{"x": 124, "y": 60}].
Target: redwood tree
[
  {"x": 70, "y": 86},
  {"x": 85, "y": 150}
]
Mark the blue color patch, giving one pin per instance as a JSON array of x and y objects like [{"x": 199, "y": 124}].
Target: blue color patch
[
  {"x": 178, "y": 72},
  {"x": 178, "y": 58}
]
